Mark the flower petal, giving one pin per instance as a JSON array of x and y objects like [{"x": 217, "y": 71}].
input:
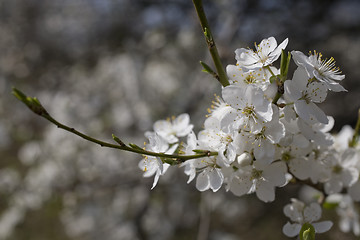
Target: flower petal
[
  {"x": 202, "y": 181},
  {"x": 312, "y": 212},
  {"x": 354, "y": 191},
  {"x": 321, "y": 227},
  {"x": 265, "y": 191},
  {"x": 275, "y": 173},
  {"x": 216, "y": 179},
  {"x": 241, "y": 186},
  {"x": 291, "y": 230}
]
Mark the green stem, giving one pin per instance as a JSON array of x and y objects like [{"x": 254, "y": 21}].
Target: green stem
[
  {"x": 211, "y": 43},
  {"x": 272, "y": 73},
  {"x": 276, "y": 98},
  {"x": 34, "y": 105},
  {"x": 355, "y": 137},
  {"x": 122, "y": 146}
]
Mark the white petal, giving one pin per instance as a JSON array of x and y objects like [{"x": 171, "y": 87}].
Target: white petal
[
  {"x": 156, "y": 179},
  {"x": 336, "y": 87},
  {"x": 235, "y": 96},
  {"x": 230, "y": 118},
  {"x": 334, "y": 185},
  {"x": 319, "y": 137},
  {"x": 300, "y": 79},
  {"x": 312, "y": 212},
  {"x": 216, "y": 179},
  {"x": 299, "y": 167},
  {"x": 349, "y": 158},
  {"x": 317, "y": 92},
  {"x": 212, "y": 123},
  {"x": 181, "y": 125},
  {"x": 322, "y": 227},
  {"x": 275, "y": 173},
  {"x": 263, "y": 107},
  {"x": 265, "y": 191},
  {"x": 160, "y": 164},
  {"x": 191, "y": 142},
  {"x": 291, "y": 230},
  {"x": 202, "y": 181},
  {"x": 302, "y": 60},
  {"x": 247, "y": 58},
  {"x": 241, "y": 186},
  {"x": 267, "y": 45},
  {"x": 310, "y": 112},
  {"x": 275, "y": 132},
  {"x": 231, "y": 153},
  {"x": 294, "y": 211},
  {"x": 300, "y": 141},
  {"x": 182, "y": 121},
  {"x": 161, "y": 126},
  {"x": 189, "y": 169},
  {"x": 277, "y": 52},
  {"x": 349, "y": 176},
  {"x": 345, "y": 225},
  {"x": 354, "y": 191}
]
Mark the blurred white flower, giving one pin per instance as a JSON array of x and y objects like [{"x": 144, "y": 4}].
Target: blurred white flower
[{"x": 300, "y": 213}]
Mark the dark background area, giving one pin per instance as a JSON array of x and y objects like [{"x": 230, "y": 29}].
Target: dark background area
[{"x": 117, "y": 66}]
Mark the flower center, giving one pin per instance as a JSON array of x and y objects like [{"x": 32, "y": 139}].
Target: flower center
[
  {"x": 249, "y": 111},
  {"x": 256, "y": 174},
  {"x": 286, "y": 157},
  {"x": 337, "y": 169},
  {"x": 250, "y": 79}
]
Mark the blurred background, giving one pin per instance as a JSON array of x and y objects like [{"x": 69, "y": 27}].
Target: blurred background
[{"x": 117, "y": 66}]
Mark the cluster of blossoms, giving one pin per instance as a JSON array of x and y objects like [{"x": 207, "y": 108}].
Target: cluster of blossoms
[{"x": 267, "y": 131}]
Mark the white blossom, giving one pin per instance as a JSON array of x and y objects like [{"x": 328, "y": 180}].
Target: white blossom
[
  {"x": 299, "y": 213},
  {"x": 323, "y": 70},
  {"x": 154, "y": 165},
  {"x": 170, "y": 130},
  {"x": 250, "y": 108},
  {"x": 266, "y": 53},
  {"x": 260, "y": 178},
  {"x": 304, "y": 96}
]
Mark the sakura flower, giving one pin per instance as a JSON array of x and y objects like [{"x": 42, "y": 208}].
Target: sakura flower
[
  {"x": 323, "y": 70},
  {"x": 250, "y": 108},
  {"x": 309, "y": 167},
  {"x": 260, "y": 178},
  {"x": 190, "y": 165},
  {"x": 257, "y": 78},
  {"x": 349, "y": 216},
  {"x": 154, "y": 165},
  {"x": 342, "y": 139},
  {"x": 300, "y": 214},
  {"x": 266, "y": 53},
  {"x": 170, "y": 130},
  {"x": 344, "y": 172},
  {"x": 262, "y": 143},
  {"x": 219, "y": 108},
  {"x": 317, "y": 132},
  {"x": 345, "y": 208},
  {"x": 210, "y": 176},
  {"x": 304, "y": 96},
  {"x": 214, "y": 139}
]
